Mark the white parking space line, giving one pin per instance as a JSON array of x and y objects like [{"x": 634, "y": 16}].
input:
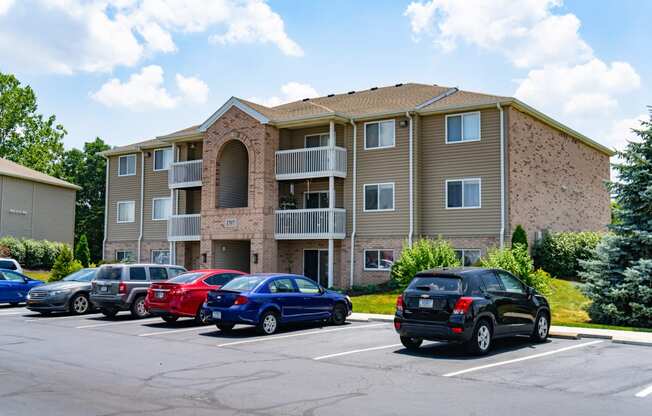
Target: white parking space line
[
  {"x": 339, "y": 354},
  {"x": 645, "y": 392},
  {"x": 136, "y": 321},
  {"x": 56, "y": 318},
  {"x": 174, "y": 331},
  {"x": 300, "y": 334},
  {"x": 13, "y": 313},
  {"x": 516, "y": 360}
]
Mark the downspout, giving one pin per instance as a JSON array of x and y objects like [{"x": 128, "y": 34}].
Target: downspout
[
  {"x": 354, "y": 201},
  {"x": 502, "y": 177},
  {"x": 106, "y": 208},
  {"x": 142, "y": 199},
  {"x": 411, "y": 178}
]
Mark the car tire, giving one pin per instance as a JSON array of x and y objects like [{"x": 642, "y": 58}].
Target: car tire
[
  {"x": 338, "y": 317},
  {"x": 138, "y": 310},
  {"x": 225, "y": 327},
  {"x": 541, "y": 328},
  {"x": 109, "y": 313},
  {"x": 268, "y": 323},
  {"x": 79, "y": 304},
  {"x": 170, "y": 318},
  {"x": 200, "y": 317},
  {"x": 481, "y": 340},
  {"x": 411, "y": 343}
]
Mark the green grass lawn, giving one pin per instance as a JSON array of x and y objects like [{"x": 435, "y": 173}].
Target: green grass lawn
[
  {"x": 567, "y": 302},
  {"x": 42, "y": 275}
]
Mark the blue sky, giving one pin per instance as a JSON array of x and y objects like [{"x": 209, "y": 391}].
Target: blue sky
[{"x": 128, "y": 70}]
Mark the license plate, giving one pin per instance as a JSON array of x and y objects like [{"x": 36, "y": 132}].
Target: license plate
[
  {"x": 104, "y": 289},
  {"x": 217, "y": 315},
  {"x": 159, "y": 295},
  {"x": 426, "y": 303}
]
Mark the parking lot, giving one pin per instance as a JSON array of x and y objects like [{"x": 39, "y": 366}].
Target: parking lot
[{"x": 67, "y": 365}]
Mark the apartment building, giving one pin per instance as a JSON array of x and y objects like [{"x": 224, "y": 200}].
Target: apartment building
[{"x": 334, "y": 187}]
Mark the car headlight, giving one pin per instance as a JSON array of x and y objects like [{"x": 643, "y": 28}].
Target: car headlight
[{"x": 59, "y": 292}]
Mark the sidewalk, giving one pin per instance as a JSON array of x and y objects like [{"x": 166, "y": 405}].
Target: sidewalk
[{"x": 621, "y": 337}]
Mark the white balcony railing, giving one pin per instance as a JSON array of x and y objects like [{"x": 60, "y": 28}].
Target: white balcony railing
[
  {"x": 303, "y": 224},
  {"x": 186, "y": 227},
  {"x": 185, "y": 174},
  {"x": 311, "y": 162}
]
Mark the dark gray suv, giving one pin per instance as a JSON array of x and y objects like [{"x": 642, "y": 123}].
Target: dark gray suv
[{"x": 123, "y": 287}]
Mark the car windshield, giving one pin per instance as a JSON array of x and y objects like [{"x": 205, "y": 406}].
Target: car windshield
[
  {"x": 437, "y": 284},
  {"x": 186, "y": 278},
  {"x": 243, "y": 284},
  {"x": 109, "y": 273},
  {"x": 83, "y": 275}
]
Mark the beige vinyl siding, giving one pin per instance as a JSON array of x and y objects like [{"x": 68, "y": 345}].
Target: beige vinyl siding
[
  {"x": 294, "y": 139},
  {"x": 379, "y": 166},
  {"x": 123, "y": 188},
  {"x": 441, "y": 161},
  {"x": 156, "y": 186}
]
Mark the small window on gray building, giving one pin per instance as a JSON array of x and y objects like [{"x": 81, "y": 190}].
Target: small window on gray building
[{"x": 127, "y": 165}]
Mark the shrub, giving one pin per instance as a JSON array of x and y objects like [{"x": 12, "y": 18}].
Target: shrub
[
  {"x": 34, "y": 253},
  {"x": 51, "y": 251},
  {"x": 519, "y": 237},
  {"x": 560, "y": 253},
  {"x": 82, "y": 252},
  {"x": 15, "y": 248},
  {"x": 64, "y": 265},
  {"x": 518, "y": 262},
  {"x": 423, "y": 255}
]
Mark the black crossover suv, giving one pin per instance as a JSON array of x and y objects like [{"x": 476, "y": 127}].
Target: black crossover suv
[{"x": 472, "y": 306}]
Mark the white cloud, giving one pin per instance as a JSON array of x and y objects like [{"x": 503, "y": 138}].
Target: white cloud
[
  {"x": 98, "y": 35},
  {"x": 143, "y": 91},
  {"x": 292, "y": 91},
  {"x": 193, "y": 89},
  {"x": 621, "y": 131}
]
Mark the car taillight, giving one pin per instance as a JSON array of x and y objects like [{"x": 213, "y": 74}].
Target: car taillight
[
  {"x": 462, "y": 305},
  {"x": 122, "y": 288},
  {"x": 397, "y": 325},
  {"x": 240, "y": 300},
  {"x": 399, "y": 303}
]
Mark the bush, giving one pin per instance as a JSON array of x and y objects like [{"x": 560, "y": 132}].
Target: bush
[
  {"x": 51, "y": 251},
  {"x": 518, "y": 262},
  {"x": 519, "y": 236},
  {"x": 15, "y": 248},
  {"x": 423, "y": 255},
  {"x": 64, "y": 265},
  {"x": 560, "y": 253},
  {"x": 34, "y": 253},
  {"x": 82, "y": 252}
]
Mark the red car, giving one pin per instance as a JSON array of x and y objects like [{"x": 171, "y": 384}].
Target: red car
[{"x": 185, "y": 294}]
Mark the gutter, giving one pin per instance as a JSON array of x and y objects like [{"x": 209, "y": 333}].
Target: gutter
[
  {"x": 106, "y": 207},
  {"x": 411, "y": 177},
  {"x": 142, "y": 199},
  {"x": 502, "y": 175},
  {"x": 354, "y": 200}
]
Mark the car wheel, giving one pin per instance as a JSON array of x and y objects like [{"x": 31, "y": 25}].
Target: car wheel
[
  {"x": 225, "y": 327},
  {"x": 410, "y": 343},
  {"x": 268, "y": 323},
  {"x": 138, "y": 309},
  {"x": 541, "y": 328},
  {"x": 339, "y": 315},
  {"x": 79, "y": 304},
  {"x": 480, "y": 342},
  {"x": 200, "y": 317},
  {"x": 169, "y": 318},
  {"x": 109, "y": 313}
]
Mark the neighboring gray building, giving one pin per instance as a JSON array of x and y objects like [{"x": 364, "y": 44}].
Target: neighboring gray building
[{"x": 35, "y": 205}]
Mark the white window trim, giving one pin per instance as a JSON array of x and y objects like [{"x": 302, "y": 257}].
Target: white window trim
[
  {"x": 135, "y": 164},
  {"x": 463, "y": 180},
  {"x": 364, "y": 197},
  {"x": 118, "y": 212},
  {"x": 306, "y": 193},
  {"x": 159, "y": 250},
  {"x": 378, "y": 122},
  {"x": 154, "y": 160},
  {"x": 462, "y": 127},
  {"x": 378, "y": 269},
  {"x": 123, "y": 251},
  {"x": 463, "y": 250},
  {"x": 305, "y": 139},
  {"x": 158, "y": 199}
]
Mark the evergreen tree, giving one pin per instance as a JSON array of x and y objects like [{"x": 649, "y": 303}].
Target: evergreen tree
[
  {"x": 519, "y": 236},
  {"x": 64, "y": 264},
  {"x": 619, "y": 280},
  {"x": 82, "y": 252}
]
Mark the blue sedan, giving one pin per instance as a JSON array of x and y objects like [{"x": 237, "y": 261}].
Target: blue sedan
[
  {"x": 270, "y": 300},
  {"x": 14, "y": 286}
]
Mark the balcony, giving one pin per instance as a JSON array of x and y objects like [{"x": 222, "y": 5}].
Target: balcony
[
  {"x": 185, "y": 227},
  {"x": 306, "y": 224},
  {"x": 311, "y": 162},
  {"x": 185, "y": 174}
]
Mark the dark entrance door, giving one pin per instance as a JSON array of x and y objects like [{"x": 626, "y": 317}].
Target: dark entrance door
[{"x": 315, "y": 266}]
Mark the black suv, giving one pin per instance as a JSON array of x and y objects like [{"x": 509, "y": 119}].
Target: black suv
[{"x": 472, "y": 306}]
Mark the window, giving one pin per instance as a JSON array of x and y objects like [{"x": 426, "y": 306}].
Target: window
[
  {"x": 379, "y": 197},
  {"x": 137, "y": 273},
  {"x": 316, "y": 140},
  {"x": 512, "y": 284},
  {"x": 158, "y": 273},
  {"x": 161, "y": 256},
  {"x": 220, "y": 279},
  {"x": 378, "y": 260},
  {"x": 491, "y": 282},
  {"x": 379, "y": 134},
  {"x": 281, "y": 286},
  {"x": 12, "y": 276},
  {"x": 161, "y": 209},
  {"x": 467, "y": 256},
  {"x": 7, "y": 264},
  {"x": 127, "y": 165},
  {"x": 124, "y": 256},
  {"x": 315, "y": 199},
  {"x": 162, "y": 159},
  {"x": 175, "y": 271},
  {"x": 126, "y": 211},
  {"x": 463, "y": 127},
  {"x": 306, "y": 286},
  {"x": 463, "y": 193}
]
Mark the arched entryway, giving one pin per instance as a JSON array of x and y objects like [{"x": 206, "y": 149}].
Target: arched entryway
[{"x": 233, "y": 176}]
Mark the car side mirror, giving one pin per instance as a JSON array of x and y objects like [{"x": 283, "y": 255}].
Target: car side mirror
[
  {"x": 529, "y": 291},
  {"x": 321, "y": 290}
]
